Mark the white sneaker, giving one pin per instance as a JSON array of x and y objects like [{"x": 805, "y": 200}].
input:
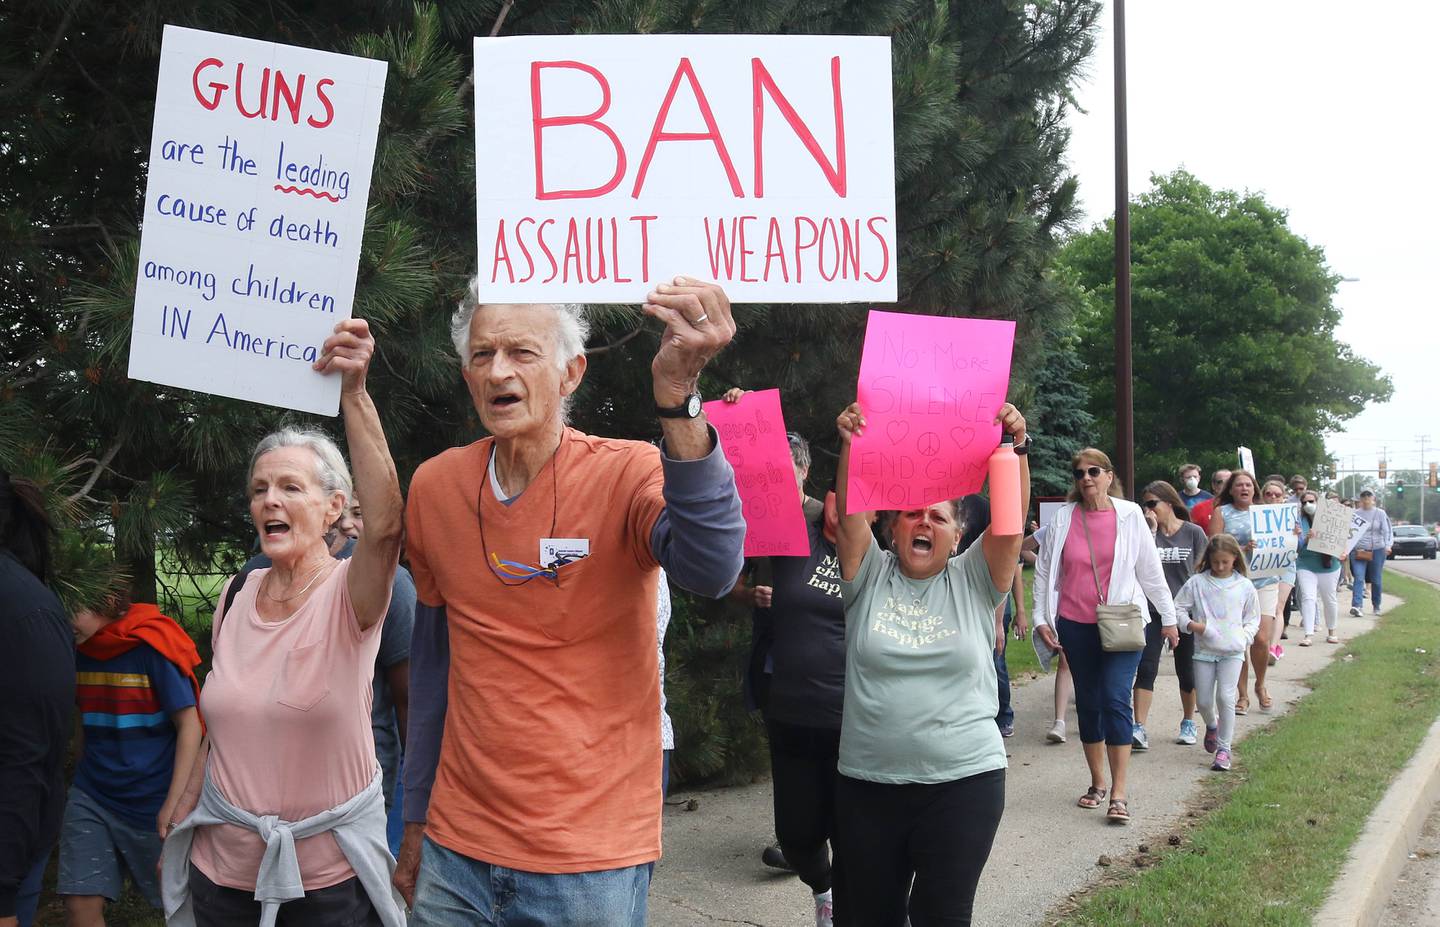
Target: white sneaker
[
  {"x": 1057, "y": 732},
  {"x": 824, "y": 910},
  {"x": 1354, "y": 612}
]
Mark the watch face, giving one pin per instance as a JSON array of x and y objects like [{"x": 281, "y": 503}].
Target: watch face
[{"x": 692, "y": 405}]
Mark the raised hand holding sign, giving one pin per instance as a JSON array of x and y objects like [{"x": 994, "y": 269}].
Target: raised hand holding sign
[{"x": 930, "y": 388}]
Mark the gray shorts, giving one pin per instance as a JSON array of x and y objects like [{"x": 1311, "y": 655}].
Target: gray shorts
[{"x": 97, "y": 848}]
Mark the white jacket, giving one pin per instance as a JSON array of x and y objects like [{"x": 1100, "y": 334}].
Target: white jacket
[{"x": 1135, "y": 574}]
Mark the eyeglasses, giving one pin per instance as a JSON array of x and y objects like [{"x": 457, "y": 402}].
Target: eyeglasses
[
  {"x": 1150, "y": 503},
  {"x": 1092, "y": 472}
]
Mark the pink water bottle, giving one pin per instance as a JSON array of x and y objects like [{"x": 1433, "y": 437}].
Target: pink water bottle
[{"x": 1005, "y": 515}]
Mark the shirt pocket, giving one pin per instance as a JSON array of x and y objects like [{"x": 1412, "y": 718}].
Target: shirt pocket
[{"x": 304, "y": 678}]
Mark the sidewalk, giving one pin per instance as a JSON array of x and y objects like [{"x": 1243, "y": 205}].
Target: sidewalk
[{"x": 1046, "y": 848}]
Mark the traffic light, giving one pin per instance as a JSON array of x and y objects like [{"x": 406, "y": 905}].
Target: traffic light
[
  {"x": 1399, "y": 489},
  {"x": 1434, "y": 475},
  {"x": 1330, "y": 472},
  {"x": 1382, "y": 471}
]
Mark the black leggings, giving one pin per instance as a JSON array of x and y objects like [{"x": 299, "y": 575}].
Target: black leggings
[
  {"x": 342, "y": 905},
  {"x": 802, "y": 768},
  {"x": 1150, "y": 659},
  {"x": 916, "y": 849}
]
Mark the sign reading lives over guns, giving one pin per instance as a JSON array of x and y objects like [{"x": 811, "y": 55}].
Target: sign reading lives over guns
[
  {"x": 260, "y": 167},
  {"x": 929, "y": 389},
  {"x": 1273, "y": 530},
  {"x": 752, "y": 435},
  {"x": 606, "y": 164}
]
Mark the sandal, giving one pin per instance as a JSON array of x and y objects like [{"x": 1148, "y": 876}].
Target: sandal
[
  {"x": 1263, "y": 695},
  {"x": 1332, "y": 639},
  {"x": 1307, "y": 641},
  {"x": 1092, "y": 797},
  {"x": 1118, "y": 812},
  {"x": 1242, "y": 706}
]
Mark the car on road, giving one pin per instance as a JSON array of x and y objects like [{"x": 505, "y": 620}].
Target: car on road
[{"x": 1413, "y": 541}]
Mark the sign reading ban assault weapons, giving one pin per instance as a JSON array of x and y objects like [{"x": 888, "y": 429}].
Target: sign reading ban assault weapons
[
  {"x": 929, "y": 389},
  {"x": 605, "y": 164}
]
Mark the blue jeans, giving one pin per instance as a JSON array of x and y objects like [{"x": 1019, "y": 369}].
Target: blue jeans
[
  {"x": 395, "y": 817},
  {"x": 453, "y": 889},
  {"x": 1006, "y": 715},
  {"x": 1103, "y": 682},
  {"x": 1370, "y": 571}
]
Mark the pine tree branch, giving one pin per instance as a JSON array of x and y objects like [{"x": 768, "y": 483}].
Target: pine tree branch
[
  {"x": 101, "y": 466},
  {"x": 22, "y": 85},
  {"x": 623, "y": 339}
]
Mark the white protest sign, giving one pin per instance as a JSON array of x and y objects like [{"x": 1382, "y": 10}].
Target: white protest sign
[
  {"x": 1048, "y": 508},
  {"x": 1272, "y": 529},
  {"x": 260, "y": 166},
  {"x": 1247, "y": 459},
  {"x": 1358, "y": 524},
  {"x": 606, "y": 164},
  {"x": 1333, "y": 529}
]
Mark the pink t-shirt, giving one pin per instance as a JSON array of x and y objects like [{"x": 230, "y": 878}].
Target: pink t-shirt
[
  {"x": 287, "y": 705},
  {"x": 1077, "y": 582}
]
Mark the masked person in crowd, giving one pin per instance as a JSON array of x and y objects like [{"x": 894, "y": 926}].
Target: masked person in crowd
[
  {"x": 1317, "y": 576},
  {"x": 532, "y": 774},
  {"x": 1190, "y": 492}
]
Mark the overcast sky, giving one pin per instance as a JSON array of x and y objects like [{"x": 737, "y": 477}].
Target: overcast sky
[{"x": 1328, "y": 109}]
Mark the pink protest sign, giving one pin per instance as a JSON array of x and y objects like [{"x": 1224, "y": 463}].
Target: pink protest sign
[
  {"x": 929, "y": 389},
  {"x": 752, "y": 434}
]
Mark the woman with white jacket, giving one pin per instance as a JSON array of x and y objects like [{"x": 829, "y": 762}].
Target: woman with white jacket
[{"x": 1099, "y": 540}]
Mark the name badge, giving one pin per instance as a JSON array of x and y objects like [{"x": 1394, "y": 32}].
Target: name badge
[{"x": 556, "y": 552}]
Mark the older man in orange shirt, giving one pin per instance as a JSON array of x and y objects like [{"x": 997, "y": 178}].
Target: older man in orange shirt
[{"x": 532, "y": 775}]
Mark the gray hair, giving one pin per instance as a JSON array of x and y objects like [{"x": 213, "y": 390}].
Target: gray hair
[
  {"x": 799, "y": 450},
  {"x": 572, "y": 328},
  {"x": 330, "y": 466}
]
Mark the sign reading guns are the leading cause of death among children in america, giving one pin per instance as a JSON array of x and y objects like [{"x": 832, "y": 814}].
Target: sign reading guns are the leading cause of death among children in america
[
  {"x": 260, "y": 167},
  {"x": 606, "y": 164},
  {"x": 930, "y": 387}
]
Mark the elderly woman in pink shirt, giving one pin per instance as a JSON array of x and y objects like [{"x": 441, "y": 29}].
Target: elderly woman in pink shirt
[{"x": 288, "y": 819}]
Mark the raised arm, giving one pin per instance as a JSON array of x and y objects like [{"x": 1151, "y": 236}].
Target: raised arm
[
  {"x": 698, "y": 324},
  {"x": 348, "y": 351},
  {"x": 1003, "y": 551},
  {"x": 853, "y": 537}
]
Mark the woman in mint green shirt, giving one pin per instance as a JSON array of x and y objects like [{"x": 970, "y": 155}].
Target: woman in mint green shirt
[{"x": 922, "y": 767}]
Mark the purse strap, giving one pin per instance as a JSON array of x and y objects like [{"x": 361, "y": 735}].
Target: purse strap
[{"x": 1090, "y": 546}]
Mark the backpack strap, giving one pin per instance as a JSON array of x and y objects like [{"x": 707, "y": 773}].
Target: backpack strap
[{"x": 236, "y": 585}]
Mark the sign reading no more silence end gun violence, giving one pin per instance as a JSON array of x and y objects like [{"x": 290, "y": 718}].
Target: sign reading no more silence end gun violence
[
  {"x": 260, "y": 164},
  {"x": 605, "y": 164},
  {"x": 930, "y": 387}
]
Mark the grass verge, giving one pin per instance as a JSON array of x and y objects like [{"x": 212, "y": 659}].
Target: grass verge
[{"x": 1281, "y": 825}]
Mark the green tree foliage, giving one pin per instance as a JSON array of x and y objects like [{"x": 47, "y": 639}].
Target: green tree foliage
[
  {"x": 1234, "y": 333},
  {"x": 981, "y": 88}
]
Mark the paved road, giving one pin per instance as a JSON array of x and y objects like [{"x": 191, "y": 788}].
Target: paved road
[
  {"x": 1046, "y": 848},
  {"x": 1413, "y": 566}
]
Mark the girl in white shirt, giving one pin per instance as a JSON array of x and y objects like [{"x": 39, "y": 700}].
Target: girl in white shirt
[{"x": 1221, "y": 608}]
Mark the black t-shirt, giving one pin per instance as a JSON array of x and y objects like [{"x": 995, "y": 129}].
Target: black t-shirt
[
  {"x": 808, "y": 684},
  {"x": 37, "y": 692},
  {"x": 1180, "y": 555}
]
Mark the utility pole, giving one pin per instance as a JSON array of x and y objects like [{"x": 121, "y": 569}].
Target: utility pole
[
  {"x": 1124, "y": 367},
  {"x": 1424, "y": 477}
]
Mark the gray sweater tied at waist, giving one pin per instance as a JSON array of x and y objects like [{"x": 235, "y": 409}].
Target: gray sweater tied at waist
[{"x": 358, "y": 825}]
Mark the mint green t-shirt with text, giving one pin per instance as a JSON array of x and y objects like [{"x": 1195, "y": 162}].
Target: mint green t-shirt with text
[{"x": 920, "y": 688}]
